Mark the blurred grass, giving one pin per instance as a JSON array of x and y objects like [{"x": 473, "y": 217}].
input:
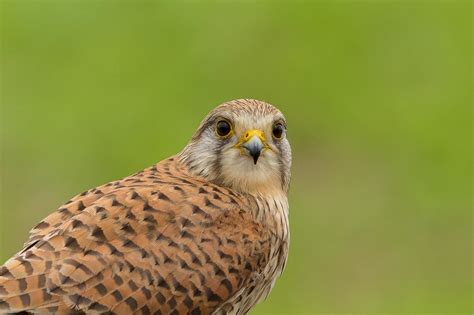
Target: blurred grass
[{"x": 378, "y": 98}]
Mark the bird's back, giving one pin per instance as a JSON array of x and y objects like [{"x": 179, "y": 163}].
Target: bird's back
[{"x": 159, "y": 241}]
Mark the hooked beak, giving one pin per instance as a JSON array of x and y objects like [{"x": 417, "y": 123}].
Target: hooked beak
[{"x": 253, "y": 141}]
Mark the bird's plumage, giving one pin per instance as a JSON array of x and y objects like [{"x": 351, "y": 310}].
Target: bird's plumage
[{"x": 166, "y": 240}]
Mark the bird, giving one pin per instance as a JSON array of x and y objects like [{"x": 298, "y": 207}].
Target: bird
[{"x": 205, "y": 231}]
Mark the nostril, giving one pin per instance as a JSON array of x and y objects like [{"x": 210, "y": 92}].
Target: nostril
[{"x": 246, "y": 135}]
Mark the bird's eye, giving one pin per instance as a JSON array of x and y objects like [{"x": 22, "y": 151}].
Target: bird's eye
[
  {"x": 277, "y": 130},
  {"x": 223, "y": 128}
]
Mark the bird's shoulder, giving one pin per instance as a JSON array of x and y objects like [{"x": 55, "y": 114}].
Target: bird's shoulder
[
  {"x": 167, "y": 185},
  {"x": 175, "y": 240}
]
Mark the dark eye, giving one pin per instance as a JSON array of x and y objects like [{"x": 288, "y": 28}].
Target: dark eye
[
  {"x": 223, "y": 128},
  {"x": 278, "y": 130}
]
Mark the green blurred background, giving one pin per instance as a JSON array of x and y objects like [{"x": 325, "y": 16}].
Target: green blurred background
[{"x": 378, "y": 98}]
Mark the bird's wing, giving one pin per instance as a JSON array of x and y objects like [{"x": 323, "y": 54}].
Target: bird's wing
[
  {"x": 176, "y": 247},
  {"x": 75, "y": 206}
]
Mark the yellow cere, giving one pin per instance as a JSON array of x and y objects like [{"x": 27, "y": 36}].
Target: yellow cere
[{"x": 247, "y": 135}]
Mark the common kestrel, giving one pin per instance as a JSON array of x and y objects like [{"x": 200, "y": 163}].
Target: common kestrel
[{"x": 202, "y": 232}]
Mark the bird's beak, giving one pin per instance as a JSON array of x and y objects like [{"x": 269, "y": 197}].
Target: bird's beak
[{"x": 253, "y": 141}]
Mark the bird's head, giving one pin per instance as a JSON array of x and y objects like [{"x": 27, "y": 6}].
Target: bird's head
[{"x": 242, "y": 145}]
